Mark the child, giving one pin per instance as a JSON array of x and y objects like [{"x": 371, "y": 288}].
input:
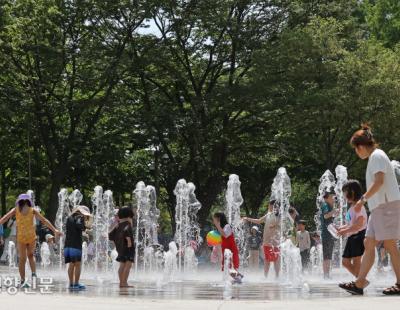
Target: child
[
  {"x": 271, "y": 237},
  {"x": 383, "y": 258},
  {"x": 328, "y": 213},
  {"x": 304, "y": 244},
  {"x": 354, "y": 229},
  {"x": 26, "y": 234},
  {"x": 254, "y": 242},
  {"x": 122, "y": 235},
  {"x": 76, "y": 224},
  {"x": 91, "y": 249},
  {"x": 216, "y": 256},
  {"x": 228, "y": 242},
  {"x": 52, "y": 247}
]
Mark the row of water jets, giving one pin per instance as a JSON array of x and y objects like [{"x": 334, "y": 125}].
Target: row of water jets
[{"x": 180, "y": 257}]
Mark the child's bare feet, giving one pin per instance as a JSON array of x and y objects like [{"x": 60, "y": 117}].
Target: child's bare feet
[{"x": 125, "y": 285}]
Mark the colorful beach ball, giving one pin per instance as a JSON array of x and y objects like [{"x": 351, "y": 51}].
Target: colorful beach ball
[{"x": 214, "y": 238}]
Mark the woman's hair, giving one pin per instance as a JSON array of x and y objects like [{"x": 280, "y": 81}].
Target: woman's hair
[
  {"x": 125, "y": 212},
  {"x": 222, "y": 218},
  {"x": 353, "y": 190},
  {"x": 363, "y": 137}
]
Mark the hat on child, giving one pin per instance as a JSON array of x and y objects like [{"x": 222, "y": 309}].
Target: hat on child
[
  {"x": 48, "y": 237},
  {"x": 255, "y": 228},
  {"x": 24, "y": 197},
  {"x": 83, "y": 210}
]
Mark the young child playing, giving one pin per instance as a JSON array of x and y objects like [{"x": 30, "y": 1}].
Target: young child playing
[
  {"x": 304, "y": 244},
  {"x": 254, "y": 242},
  {"x": 228, "y": 242},
  {"x": 271, "y": 237},
  {"x": 52, "y": 247},
  {"x": 354, "y": 229},
  {"x": 91, "y": 251},
  {"x": 76, "y": 224},
  {"x": 26, "y": 234},
  {"x": 122, "y": 235}
]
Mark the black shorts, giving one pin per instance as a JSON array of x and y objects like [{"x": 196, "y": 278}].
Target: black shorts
[
  {"x": 72, "y": 255},
  {"x": 327, "y": 247},
  {"x": 126, "y": 256},
  {"x": 354, "y": 245}
]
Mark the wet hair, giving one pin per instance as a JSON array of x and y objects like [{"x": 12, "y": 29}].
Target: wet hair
[
  {"x": 353, "y": 189},
  {"x": 302, "y": 222},
  {"x": 125, "y": 212},
  {"x": 363, "y": 137},
  {"x": 222, "y": 218},
  {"x": 23, "y": 202}
]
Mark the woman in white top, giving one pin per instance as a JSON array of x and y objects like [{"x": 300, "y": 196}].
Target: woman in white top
[{"x": 383, "y": 197}]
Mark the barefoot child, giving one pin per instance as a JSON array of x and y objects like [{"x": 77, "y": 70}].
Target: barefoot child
[
  {"x": 76, "y": 224},
  {"x": 122, "y": 235},
  {"x": 304, "y": 243},
  {"x": 254, "y": 242},
  {"x": 26, "y": 234},
  {"x": 271, "y": 237},
  {"x": 354, "y": 229},
  {"x": 228, "y": 242}
]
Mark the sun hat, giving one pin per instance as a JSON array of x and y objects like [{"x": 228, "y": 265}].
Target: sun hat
[
  {"x": 48, "y": 237},
  {"x": 24, "y": 197},
  {"x": 83, "y": 210}
]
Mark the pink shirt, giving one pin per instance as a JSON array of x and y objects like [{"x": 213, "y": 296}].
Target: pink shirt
[{"x": 352, "y": 216}]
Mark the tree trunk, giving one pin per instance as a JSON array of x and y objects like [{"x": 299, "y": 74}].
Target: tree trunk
[
  {"x": 207, "y": 195},
  {"x": 57, "y": 179},
  {"x": 171, "y": 204}
]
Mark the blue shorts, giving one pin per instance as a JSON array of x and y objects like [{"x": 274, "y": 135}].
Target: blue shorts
[{"x": 72, "y": 255}]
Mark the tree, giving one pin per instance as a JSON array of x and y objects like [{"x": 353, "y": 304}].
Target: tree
[
  {"x": 383, "y": 20},
  {"x": 65, "y": 62},
  {"x": 193, "y": 87}
]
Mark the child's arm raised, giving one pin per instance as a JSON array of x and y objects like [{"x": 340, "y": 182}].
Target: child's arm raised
[
  {"x": 254, "y": 221},
  {"x": 113, "y": 226},
  {"x": 8, "y": 215},
  {"x": 220, "y": 230},
  {"x": 47, "y": 223},
  {"x": 217, "y": 224}
]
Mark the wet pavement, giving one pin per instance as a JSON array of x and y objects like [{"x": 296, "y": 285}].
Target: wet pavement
[
  {"x": 207, "y": 286},
  {"x": 207, "y": 291}
]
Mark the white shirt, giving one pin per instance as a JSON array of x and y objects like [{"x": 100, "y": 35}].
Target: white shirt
[
  {"x": 271, "y": 234},
  {"x": 303, "y": 238},
  {"x": 379, "y": 162}
]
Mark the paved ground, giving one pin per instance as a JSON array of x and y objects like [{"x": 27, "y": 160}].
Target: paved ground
[
  {"x": 64, "y": 302},
  {"x": 205, "y": 291}
]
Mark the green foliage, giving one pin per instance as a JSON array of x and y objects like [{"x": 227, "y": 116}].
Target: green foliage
[
  {"x": 113, "y": 92},
  {"x": 383, "y": 20}
]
